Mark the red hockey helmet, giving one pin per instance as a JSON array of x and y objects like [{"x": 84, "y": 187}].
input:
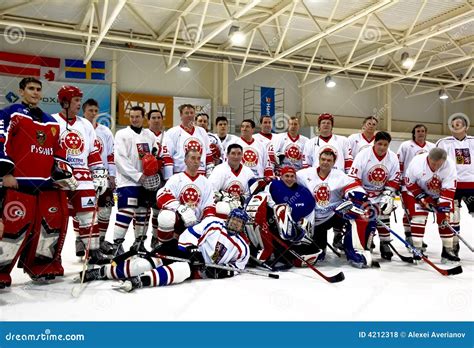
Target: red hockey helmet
[
  {"x": 150, "y": 165},
  {"x": 326, "y": 116},
  {"x": 66, "y": 93}
]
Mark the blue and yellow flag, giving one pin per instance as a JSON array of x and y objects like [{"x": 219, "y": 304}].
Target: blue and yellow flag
[{"x": 76, "y": 69}]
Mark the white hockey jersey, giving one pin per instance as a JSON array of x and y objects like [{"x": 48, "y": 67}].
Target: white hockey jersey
[
  {"x": 255, "y": 157},
  {"x": 358, "y": 142},
  {"x": 328, "y": 192},
  {"x": 229, "y": 139},
  {"x": 105, "y": 144},
  {"x": 338, "y": 143},
  {"x": 216, "y": 244},
  {"x": 130, "y": 148},
  {"x": 375, "y": 173},
  {"x": 195, "y": 192},
  {"x": 462, "y": 153},
  {"x": 224, "y": 178},
  {"x": 79, "y": 140},
  {"x": 266, "y": 140},
  {"x": 440, "y": 184},
  {"x": 292, "y": 148},
  {"x": 408, "y": 150},
  {"x": 177, "y": 141}
]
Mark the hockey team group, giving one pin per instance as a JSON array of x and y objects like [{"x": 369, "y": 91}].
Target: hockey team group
[{"x": 219, "y": 204}]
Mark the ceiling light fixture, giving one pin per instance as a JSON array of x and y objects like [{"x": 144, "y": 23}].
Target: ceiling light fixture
[
  {"x": 407, "y": 61},
  {"x": 330, "y": 83},
  {"x": 183, "y": 65},
  {"x": 443, "y": 95},
  {"x": 236, "y": 36}
]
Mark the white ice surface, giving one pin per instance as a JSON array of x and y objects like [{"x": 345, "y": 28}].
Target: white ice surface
[{"x": 396, "y": 292}]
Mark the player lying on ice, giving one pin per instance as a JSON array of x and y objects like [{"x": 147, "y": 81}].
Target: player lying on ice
[{"x": 213, "y": 241}]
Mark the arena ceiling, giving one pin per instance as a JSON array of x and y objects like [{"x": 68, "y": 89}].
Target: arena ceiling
[{"x": 362, "y": 40}]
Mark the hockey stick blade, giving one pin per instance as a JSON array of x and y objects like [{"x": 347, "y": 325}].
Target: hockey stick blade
[{"x": 404, "y": 258}]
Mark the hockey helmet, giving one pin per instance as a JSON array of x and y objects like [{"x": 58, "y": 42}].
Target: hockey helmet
[
  {"x": 150, "y": 165},
  {"x": 325, "y": 116},
  {"x": 236, "y": 221},
  {"x": 67, "y": 92}
]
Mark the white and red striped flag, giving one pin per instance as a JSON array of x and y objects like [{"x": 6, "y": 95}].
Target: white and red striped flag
[{"x": 16, "y": 64}]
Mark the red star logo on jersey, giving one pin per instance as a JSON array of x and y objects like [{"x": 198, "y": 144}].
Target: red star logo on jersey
[
  {"x": 378, "y": 175},
  {"x": 434, "y": 184},
  {"x": 293, "y": 153},
  {"x": 193, "y": 144},
  {"x": 250, "y": 157},
  {"x": 190, "y": 195},
  {"x": 99, "y": 145},
  {"x": 73, "y": 141},
  {"x": 322, "y": 194},
  {"x": 235, "y": 188}
]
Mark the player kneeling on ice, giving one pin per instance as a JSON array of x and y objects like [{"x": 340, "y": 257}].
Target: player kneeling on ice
[
  {"x": 282, "y": 213},
  {"x": 331, "y": 188},
  {"x": 431, "y": 183},
  {"x": 212, "y": 242}
]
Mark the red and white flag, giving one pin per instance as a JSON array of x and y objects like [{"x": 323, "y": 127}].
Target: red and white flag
[{"x": 43, "y": 68}]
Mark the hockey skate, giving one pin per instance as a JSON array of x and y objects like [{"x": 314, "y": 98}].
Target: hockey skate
[
  {"x": 118, "y": 248},
  {"x": 448, "y": 256},
  {"x": 96, "y": 257},
  {"x": 5, "y": 280},
  {"x": 139, "y": 245},
  {"x": 456, "y": 246},
  {"x": 385, "y": 250},
  {"x": 417, "y": 258},
  {"x": 92, "y": 274},
  {"x": 130, "y": 284},
  {"x": 80, "y": 248},
  {"x": 337, "y": 242},
  {"x": 154, "y": 243},
  {"x": 107, "y": 248},
  {"x": 44, "y": 272}
]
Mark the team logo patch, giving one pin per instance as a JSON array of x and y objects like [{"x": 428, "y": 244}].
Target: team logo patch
[
  {"x": 219, "y": 252},
  {"x": 322, "y": 194},
  {"x": 99, "y": 145},
  {"x": 40, "y": 137},
  {"x": 143, "y": 149},
  {"x": 88, "y": 202},
  {"x": 378, "y": 175},
  {"x": 462, "y": 156},
  {"x": 190, "y": 195},
  {"x": 73, "y": 142},
  {"x": 53, "y": 210},
  {"x": 293, "y": 153},
  {"x": 235, "y": 188},
  {"x": 193, "y": 144},
  {"x": 250, "y": 157},
  {"x": 54, "y": 131},
  {"x": 434, "y": 184}
]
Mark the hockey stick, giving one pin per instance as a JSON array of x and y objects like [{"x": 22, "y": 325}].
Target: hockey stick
[
  {"x": 408, "y": 259},
  {"x": 445, "y": 223},
  {"x": 77, "y": 289},
  {"x": 227, "y": 268},
  {"x": 415, "y": 251}
]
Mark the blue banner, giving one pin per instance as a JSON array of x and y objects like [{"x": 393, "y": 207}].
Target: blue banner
[
  {"x": 267, "y": 101},
  {"x": 237, "y": 334}
]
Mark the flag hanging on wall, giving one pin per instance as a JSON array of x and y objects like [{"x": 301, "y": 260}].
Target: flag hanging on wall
[
  {"x": 43, "y": 68},
  {"x": 76, "y": 69}
]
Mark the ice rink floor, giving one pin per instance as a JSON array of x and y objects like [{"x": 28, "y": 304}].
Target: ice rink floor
[{"x": 397, "y": 291}]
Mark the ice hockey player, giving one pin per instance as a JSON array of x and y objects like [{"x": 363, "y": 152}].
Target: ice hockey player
[
  {"x": 431, "y": 183},
  {"x": 406, "y": 152},
  {"x": 360, "y": 141},
  {"x": 202, "y": 120},
  {"x": 377, "y": 170},
  {"x": 186, "y": 199},
  {"x": 137, "y": 179},
  {"x": 255, "y": 155},
  {"x": 326, "y": 139},
  {"x": 179, "y": 139},
  {"x": 32, "y": 167},
  {"x": 105, "y": 144},
  {"x": 330, "y": 188},
  {"x": 289, "y": 146},
  {"x": 211, "y": 242},
  {"x": 460, "y": 147},
  {"x": 222, "y": 126},
  {"x": 79, "y": 139}
]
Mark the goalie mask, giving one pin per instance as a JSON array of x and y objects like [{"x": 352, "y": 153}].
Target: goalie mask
[{"x": 236, "y": 221}]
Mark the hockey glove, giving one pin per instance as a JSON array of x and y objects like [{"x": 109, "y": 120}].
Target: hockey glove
[
  {"x": 427, "y": 202},
  {"x": 217, "y": 273},
  {"x": 387, "y": 204},
  {"x": 62, "y": 176},
  {"x": 187, "y": 215},
  {"x": 99, "y": 177}
]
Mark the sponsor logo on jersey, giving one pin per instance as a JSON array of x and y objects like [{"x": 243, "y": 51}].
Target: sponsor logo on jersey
[
  {"x": 73, "y": 142},
  {"x": 40, "y": 137},
  {"x": 88, "y": 202},
  {"x": 193, "y": 144},
  {"x": 219, "y": 252},
  {"x": 235, "y": 188},
  {"x": 322, "y": 194},
  {"x": 250, "y": 157},
  {"x": 434, "y": 185},
  {"x": 293, "y": 153},
  {"x": 143, "y": 149},
  {"x": 378, "y": 175},
  {"x": 47, "y": 151},
  {"x": 190, "y": 195}
]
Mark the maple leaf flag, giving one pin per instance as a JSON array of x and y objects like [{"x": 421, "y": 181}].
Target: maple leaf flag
[{"x": 43, "y": 68}]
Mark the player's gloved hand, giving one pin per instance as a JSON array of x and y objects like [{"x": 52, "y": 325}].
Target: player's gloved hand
[
  {"x": 427, "y": 202},
  {"x": 357, "y": 197},
  {"x": 99, "y": 177},
  {"x": 195, "y": 257},
  {"x": 62, "y": 176},
  {"x": 187, "y": 215},
  {"x": 209, "y": 169},
  {"x": 387, "y": 204},
  {"x": 217, "y": 273}
]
